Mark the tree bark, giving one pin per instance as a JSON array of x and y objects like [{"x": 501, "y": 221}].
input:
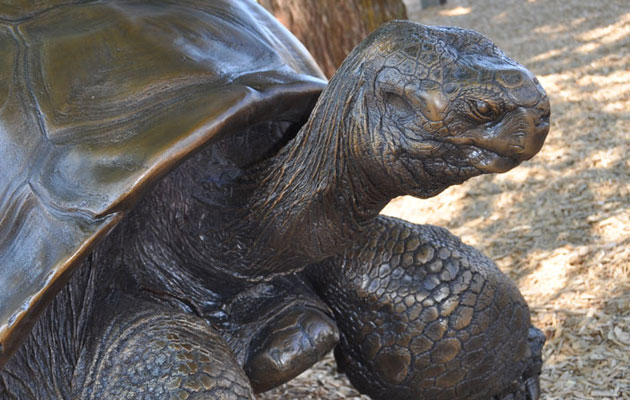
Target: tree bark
[{"x": 331, "y": 28}]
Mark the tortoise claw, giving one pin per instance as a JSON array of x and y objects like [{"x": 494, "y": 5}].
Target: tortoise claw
[
  {"x": 523, "y": 389},
  {"x": 527, "y": 387},
  {"x": 532, "y": 385},
  {"x": 289, "y": 346}
]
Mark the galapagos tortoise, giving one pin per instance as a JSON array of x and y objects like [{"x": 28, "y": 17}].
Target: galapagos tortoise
[{"x": 189, "y": 210}]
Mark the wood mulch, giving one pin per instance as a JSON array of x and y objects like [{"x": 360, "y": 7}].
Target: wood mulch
[{"x": 559, "y": 224}]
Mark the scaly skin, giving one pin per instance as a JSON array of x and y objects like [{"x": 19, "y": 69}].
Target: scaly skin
[
  {"x": 180, "y": 358},
  {"x": 424, "y": 316}
]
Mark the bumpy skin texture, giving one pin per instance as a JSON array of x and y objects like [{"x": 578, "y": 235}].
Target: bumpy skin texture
[
  {"x": 86, "y": 348},
  {"x": 216, "y": 273},
  {"x": 425, "y": 316},
  {"x": 181, "y": 358}
]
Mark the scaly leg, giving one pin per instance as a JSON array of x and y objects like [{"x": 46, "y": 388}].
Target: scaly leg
[
  {"x": 121, "y": 347},
  {"x": 156, "y": 353},
  {"x": 423, "y": 316}
]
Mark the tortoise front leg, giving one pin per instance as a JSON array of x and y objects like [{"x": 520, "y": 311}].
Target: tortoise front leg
[
  {"x": 423, "y": 316},
  {"x": 157, "y": 353}
]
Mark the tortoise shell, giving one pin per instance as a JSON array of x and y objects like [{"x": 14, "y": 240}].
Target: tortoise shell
[{"x": 98, "y": 100}]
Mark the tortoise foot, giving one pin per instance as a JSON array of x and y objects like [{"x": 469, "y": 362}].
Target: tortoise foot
[
  {"x": 279, "y": 329},
  {"x": 288, "y": 346}
]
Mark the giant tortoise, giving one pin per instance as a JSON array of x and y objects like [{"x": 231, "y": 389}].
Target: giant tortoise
[{"x": 189, "y": 210}]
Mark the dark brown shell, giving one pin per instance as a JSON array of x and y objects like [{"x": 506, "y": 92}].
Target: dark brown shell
[{"x": 100, "y": 99}]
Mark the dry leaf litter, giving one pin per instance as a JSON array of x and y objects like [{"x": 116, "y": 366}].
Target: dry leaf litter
[{"x": 559, "y": 224}]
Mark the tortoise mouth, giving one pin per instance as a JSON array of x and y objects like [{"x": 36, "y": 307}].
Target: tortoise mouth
[{"x": 489, "y": 161}]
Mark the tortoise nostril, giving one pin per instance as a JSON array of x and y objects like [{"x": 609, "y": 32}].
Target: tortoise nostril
[
  {"x": 542, "y": 114},
  {"x": 546, "y": 116},
  {"x": 542, "y": 121},
  {"x": 544, "y": 108},
  {"x": 546, "y": 113}
]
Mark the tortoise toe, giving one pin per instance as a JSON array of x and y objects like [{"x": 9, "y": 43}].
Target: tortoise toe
[{"x": 288, "y": 346}]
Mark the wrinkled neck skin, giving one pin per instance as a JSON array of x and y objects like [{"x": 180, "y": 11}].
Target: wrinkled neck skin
[{"x": 319, "y": 194}]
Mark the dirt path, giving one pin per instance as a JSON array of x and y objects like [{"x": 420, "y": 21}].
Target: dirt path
[{"x": 559, "y": 225}]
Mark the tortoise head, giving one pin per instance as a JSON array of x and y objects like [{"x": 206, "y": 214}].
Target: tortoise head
[{"x": 439, "y": 105}]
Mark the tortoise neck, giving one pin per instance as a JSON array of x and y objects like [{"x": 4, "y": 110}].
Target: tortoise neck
[{"x": 319, "y": 193}]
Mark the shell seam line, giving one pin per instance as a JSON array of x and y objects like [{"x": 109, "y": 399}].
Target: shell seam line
[
  {"x": 26, "y": 68},
  {"x": 57, "y": 210},
  {"x": 37, "y": 13}
]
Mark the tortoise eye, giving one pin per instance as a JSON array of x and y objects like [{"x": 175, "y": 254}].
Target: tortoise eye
[
  {"x": 481, "y": 109},
  {"x": 399, "y": 103}
]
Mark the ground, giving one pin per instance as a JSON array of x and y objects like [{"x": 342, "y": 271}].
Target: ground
[{"x": 559, "y": 224}]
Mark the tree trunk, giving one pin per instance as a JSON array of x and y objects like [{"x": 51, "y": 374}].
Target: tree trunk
[{"x": 331, "y": 28}]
